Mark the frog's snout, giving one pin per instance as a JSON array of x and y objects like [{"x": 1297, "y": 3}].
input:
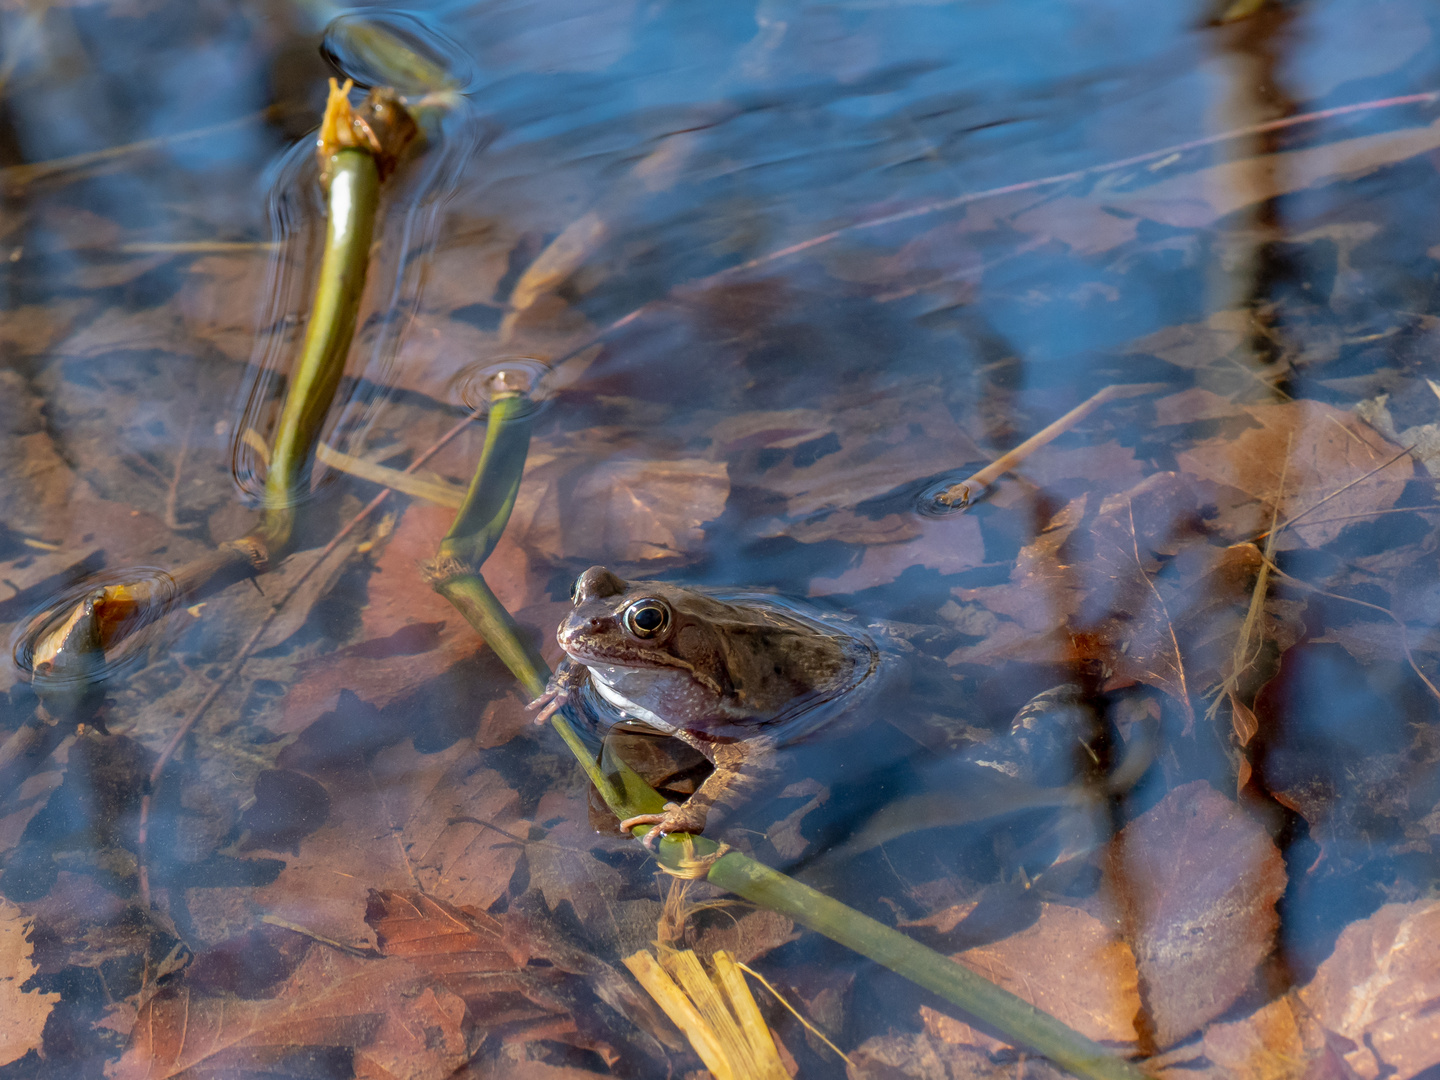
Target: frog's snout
[{"x": 577, "y": 628}]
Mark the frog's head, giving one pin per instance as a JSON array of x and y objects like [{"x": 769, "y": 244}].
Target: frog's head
[
  {"x": 646, "y": 641},
  {"x": 674, "y": 657}
]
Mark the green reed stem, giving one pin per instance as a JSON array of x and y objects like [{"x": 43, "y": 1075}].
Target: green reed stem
[
  {"x": 354, "y": 197},
  {"x": 455, "y": 574},
  {"x": 486, "y": 510}
]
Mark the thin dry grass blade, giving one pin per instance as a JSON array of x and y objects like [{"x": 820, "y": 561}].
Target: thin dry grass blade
[{"x": 441, "y": 494}]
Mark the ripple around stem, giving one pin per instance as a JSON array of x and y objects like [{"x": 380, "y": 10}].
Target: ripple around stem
[
  {"x": 933, "y": 501},
  {"x": 131, "y": 615},
  {"x": 476, "y": 384},
  {"x": 400, "y": 50},
  {"x": 414, "y": 205}
]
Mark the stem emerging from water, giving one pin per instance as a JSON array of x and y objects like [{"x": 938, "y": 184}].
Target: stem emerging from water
[{"x": 354, "y": 196}]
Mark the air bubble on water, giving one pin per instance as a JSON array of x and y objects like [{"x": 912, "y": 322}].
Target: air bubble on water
[
  {"x": 479, "y": 384},
  {"x": 398, "y": 50}
]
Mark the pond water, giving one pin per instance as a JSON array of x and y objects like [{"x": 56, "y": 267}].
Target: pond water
[{"x": 778, "y": 273}]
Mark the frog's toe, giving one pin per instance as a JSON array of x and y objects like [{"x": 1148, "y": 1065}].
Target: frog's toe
[
  {"x": 552, "y": 703},
  {"x": 648, "y": 819},
  {"x": 675, "y": 819}
]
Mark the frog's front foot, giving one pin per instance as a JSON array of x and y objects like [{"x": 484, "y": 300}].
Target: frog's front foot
[
  {"x": 676, "y": 818},
  {"x": 552, "y": 700},
  {"x": 567, "y": 678}
]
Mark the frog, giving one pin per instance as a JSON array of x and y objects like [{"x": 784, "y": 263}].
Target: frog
[{"x": 736, "y": 676}]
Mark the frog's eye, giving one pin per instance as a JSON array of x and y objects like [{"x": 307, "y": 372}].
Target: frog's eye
[
  {"x": 646, "y": 618},
  {"x": 574, "y": 589}
]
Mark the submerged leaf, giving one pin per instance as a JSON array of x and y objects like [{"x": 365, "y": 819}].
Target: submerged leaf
[
  {"x": 1067, "y": 963},
  {"x": 22, "y": 1012},
  {"x": 1329, "y": 460},
  {"x": 1369, "y": 1011},
  {"x": 1198, "y": 881}
]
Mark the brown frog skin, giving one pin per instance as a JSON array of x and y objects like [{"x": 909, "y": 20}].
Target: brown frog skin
[{"x": 724, "y": 677}]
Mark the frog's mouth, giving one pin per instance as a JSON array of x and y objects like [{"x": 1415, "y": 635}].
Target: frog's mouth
[{"x": 652, "y": 662}]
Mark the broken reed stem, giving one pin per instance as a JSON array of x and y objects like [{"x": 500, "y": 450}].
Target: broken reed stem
[
  {"x": 477, "y": 527},
  {"x": 357, "y": 151},
  {"x": 354, "y": 198},
  {"x": 496, "y": 484},
  {"x": 455, "y": 571},
  {"x": 963, "y": 493}
]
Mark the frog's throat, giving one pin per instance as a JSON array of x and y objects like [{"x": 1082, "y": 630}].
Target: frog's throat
[
  {"x": 628, "y": 707},
  {"x": 654, "y": 663}
]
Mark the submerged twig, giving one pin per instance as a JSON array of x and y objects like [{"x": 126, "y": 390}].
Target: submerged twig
[
  {"x": 438, "y": 492},
  {"x": 964, "y": 492},
  {"x": 233, "y": 669}
]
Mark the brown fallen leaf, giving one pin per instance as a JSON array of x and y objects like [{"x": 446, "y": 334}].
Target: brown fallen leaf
[
  {"x": 1197, "y": 880},
  {"x": 1138, "y": 625},
  {"x": 331, "y": 1000},
  {"x": 867, "y": 445},
  {"x": 446, "y": 977},
  {"x": 746, "y": 938},
  {"x": 1368, "y": 1013},
  {"x": 1139, "y": 586},
  {"x": 593, "y": 507},
  {"x": 924, "y": 1056},
  {"x": 1196, "y": 345},
  {"x": 323, "y": 568},
  {"x": 22, "y": 1012},
  {"x": 1043, "y": 594},
  {"x": 561, "y": 258},
  {"x": 409, "y": 634},
  {"x": 125, "y": 329},
  {"x": 1100, "y": 467},
  {"x": 400, "y": 818},
  {"x": 1380, "y": 989},
  {"x": 1326, "y": 458},
  {"x": 468, "y": 952},
  {"x": 947, "y": 546},
  {"x": 220, "y": 300},
  {"x": 1067, "y": 963},
  {"x": 438, "y": 937},
  {"x": 32, "y": 329},
  {"x": 600, "y": 895}
]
